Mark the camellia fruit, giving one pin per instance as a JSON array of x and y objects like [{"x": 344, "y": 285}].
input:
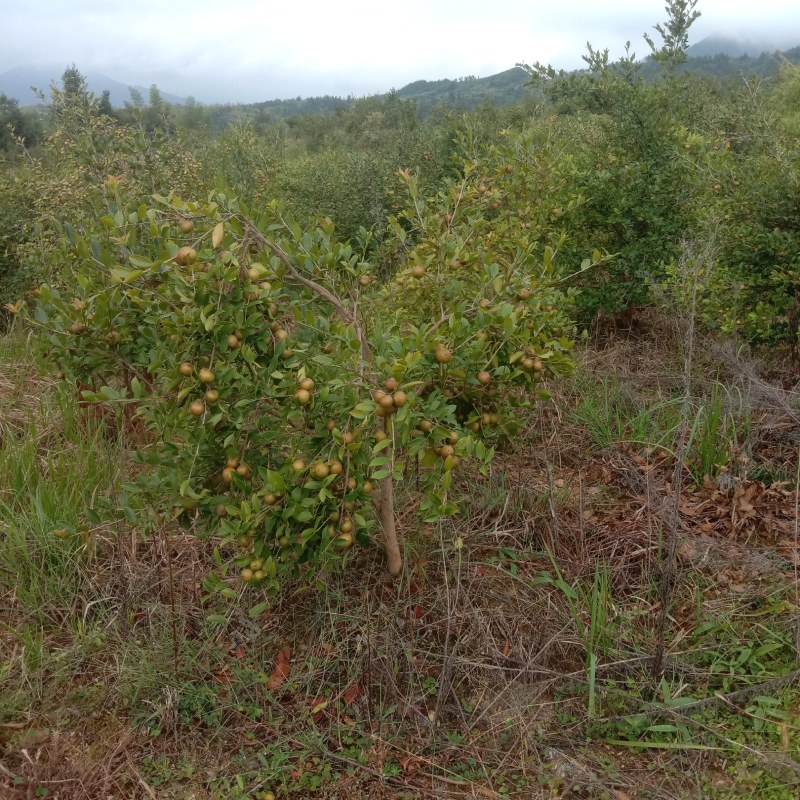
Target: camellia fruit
[
  {"x": 233, "y": 342},
  {"x": 484, "y": 377},
  {"x": 391, "y": 384},
  {"x": 303, "y": 396},
  {"x": 186, "y": 226},
  {"x": 321, "y": 470},
  {"x": 336, "y": 467},
  {"x": 418, "y": 271},
  {"x": 197, "y": 408},
  {"x": 344, "y": 539},
  {"x": 206, "y": 376},
  {"x": 443, "y": 354},
  {"x": 307, "y": 384},
  {"x": 399, "y": 399},
  {"x": 212, "y": 395},
  {"x": 186, "y": 369},
  {"x": 227, "y": 474},
  {"x": 298, "y": 465},
  {"x": 185, "y": 256}
]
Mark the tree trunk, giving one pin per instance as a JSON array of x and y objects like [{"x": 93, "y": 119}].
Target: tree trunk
[{"x": 385, "y": 503}]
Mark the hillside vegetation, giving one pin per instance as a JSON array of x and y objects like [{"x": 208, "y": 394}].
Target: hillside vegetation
[{"x": 381, "y": 454}]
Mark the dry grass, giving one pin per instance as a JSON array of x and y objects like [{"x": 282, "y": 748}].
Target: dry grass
[{"x": 466, "y": 678}]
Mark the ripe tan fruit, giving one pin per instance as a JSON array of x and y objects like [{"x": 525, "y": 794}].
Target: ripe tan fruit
[
  {"x": 186, "y": 369},
  {"x": 281, "y": 334},
  {"x": 527, "y": 364},
  {"x": 537, "y": 365},
  {"x": 380, "y": 436},
  {"x": 247, "y": 575},
  {"x": 455, "y": 264},
  {"x": 232, "y": 462},
  {"x": 186, "y": 226},
  {"x": 443, "y": 354},
  {"x": 484, "y": 377},
  {"x": 114, "y": 337},
  {"x": 321, "y": 470},
  {"x": 486, "y": 419},
  {"x": 344, "y": 540},
  {"x": 221, "y": 511},
  {"x": 254, "y": 274},
  {"x": 524, "y": 294},
  {"x": 391, "y": 384},
  {"x": 352, "y": 483},
  {"x": 307, "y": 384},
  {"x": 386, "y": 401},
  {"x": 348, "y": 437},
  {"x": 233, "y": 342},
  {"x": 446, "y": 450},
  {"x": 399, "y": 398},
  {"x": 452, "y": 437},
  {"x": 197, "y": 408},
  {"x": 298, "y": 465},
  {"x": 244, "y": 471},
  {"x": 185, "y": 256},
  {"x": 330, "y": 424},
  {"x": 303, "y": 396},
  {"x": 284, "y": 541},
  {"x": 426, "y": 425},
  {"x": 212, "y": 396},
  {"x": 258, "y": 576},
  {"x": 418, "y": 271},
  {"x": 367, "y": 487},
  {"x": 227, "y": 474},
  {"x": 336, "y": 467},
  {"x": 346, "y": 525},
  {"x": 364, "y": 280},
  {"x": 270, "y": 498},
  {"x": 378, "y": 395},
  {"x": 77, "y": 327},
  {"x": 206, "y": 375}
]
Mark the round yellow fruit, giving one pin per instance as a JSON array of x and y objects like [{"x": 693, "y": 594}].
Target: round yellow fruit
[
  {"x": 186, "y": 369},
  {"x": 303, "y": 396},
  {"x": 399, "y": 398},
  {"x": 206, "y": 376},
  {"x": 443, "y": 354},
  {"x": 185, "y": 256},
  {"x": 186, "y": 226},
  {"x": 197, "y": 408}
]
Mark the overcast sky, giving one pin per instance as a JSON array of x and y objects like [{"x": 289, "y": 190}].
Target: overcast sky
[{"x": 247, "y": 50}]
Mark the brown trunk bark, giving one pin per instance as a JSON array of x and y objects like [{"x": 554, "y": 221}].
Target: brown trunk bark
[{"x": 386, "y": 513}]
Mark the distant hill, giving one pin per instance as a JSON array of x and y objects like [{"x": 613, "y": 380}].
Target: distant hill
[
  {"x": 736, "y": 48},
  {"x": 16, "y": 83},
  {"x": 501, "y": 89},
  {"x": 722, "y": 57}
]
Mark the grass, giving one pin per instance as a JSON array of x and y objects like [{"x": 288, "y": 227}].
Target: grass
[{"x": 511, "y": 660}]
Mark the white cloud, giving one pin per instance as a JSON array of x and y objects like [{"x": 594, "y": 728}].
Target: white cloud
[{"x": 260, "y": 49}]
